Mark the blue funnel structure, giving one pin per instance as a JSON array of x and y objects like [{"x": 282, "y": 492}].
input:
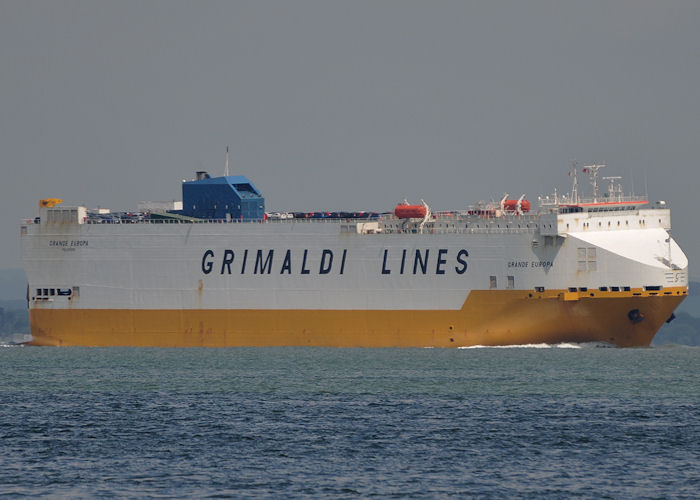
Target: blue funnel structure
[{"x": 231, "y": 196}]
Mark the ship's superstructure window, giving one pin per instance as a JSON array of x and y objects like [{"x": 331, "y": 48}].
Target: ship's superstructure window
[
  {"x": 76, "y": 291},
  {"x": 492, "y": 282},
  {"x": 511, "y": 282},
  {"x": 603, "y": 288},
  {"x": 615, "y": 288},
  {"x": 52, "y": 292},
  {"x": 244, "y": 188}
]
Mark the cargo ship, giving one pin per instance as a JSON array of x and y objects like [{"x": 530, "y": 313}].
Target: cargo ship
[{"x": 218, "y": 270}]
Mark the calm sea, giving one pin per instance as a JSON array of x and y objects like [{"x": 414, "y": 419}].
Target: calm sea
[{"x": 580, "y": 421}]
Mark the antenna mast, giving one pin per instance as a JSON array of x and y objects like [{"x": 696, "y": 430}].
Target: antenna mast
[
  {"x": 593, "y": 171},
  {"x": 226, "y": 169},
  {"x": 611, "y": 189},
  {"x": 574, "y": 188}
]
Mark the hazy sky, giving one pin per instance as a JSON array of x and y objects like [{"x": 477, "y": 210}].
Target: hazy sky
[{"x": 346, "y": 105}]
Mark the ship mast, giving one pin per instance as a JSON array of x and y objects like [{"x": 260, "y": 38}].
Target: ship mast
[
  {"x": 593, "y": 171},
  {"x": 574, "y": 188},
  {"x": 226, "y": 173},
  {"x": 611, "y": 190}
]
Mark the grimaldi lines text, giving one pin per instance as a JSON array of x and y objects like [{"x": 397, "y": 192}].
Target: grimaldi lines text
[
  {"x": 217, "y": 270},
  {"x": 261, "y": 262}
]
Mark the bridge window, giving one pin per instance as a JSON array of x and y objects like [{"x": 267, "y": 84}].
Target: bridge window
[
  {"x": 492, "y": 282},
  {"x": 244, "y": 188}
]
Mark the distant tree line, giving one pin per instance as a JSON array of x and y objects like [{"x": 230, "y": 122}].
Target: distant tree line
[
  {"x": 13, "y": 321},
  {"x": 683, "y": 330}
]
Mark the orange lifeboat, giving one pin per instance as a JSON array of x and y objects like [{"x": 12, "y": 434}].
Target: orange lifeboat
[
  {"x": 405, "y": 211},
  {"x": 512, "y": 206}
]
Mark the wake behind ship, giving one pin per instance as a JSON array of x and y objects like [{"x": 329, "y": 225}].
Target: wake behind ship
[{"x": 219, "y": 271}]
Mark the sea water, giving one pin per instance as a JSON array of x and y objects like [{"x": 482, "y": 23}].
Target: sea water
[{"x": 551, "y": 421}]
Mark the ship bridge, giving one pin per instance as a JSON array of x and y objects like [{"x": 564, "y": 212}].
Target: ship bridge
[{"x": 231, "y": 197}]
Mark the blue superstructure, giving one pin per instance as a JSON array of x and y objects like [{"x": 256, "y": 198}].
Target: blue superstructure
[{"x": 232, "y": 196}]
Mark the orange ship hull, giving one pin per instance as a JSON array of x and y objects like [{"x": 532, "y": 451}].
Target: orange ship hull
[{"x": 488, "y": 317}]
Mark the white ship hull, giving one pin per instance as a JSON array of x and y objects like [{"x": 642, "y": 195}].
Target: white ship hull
[{"x": 464, "y": 281}]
